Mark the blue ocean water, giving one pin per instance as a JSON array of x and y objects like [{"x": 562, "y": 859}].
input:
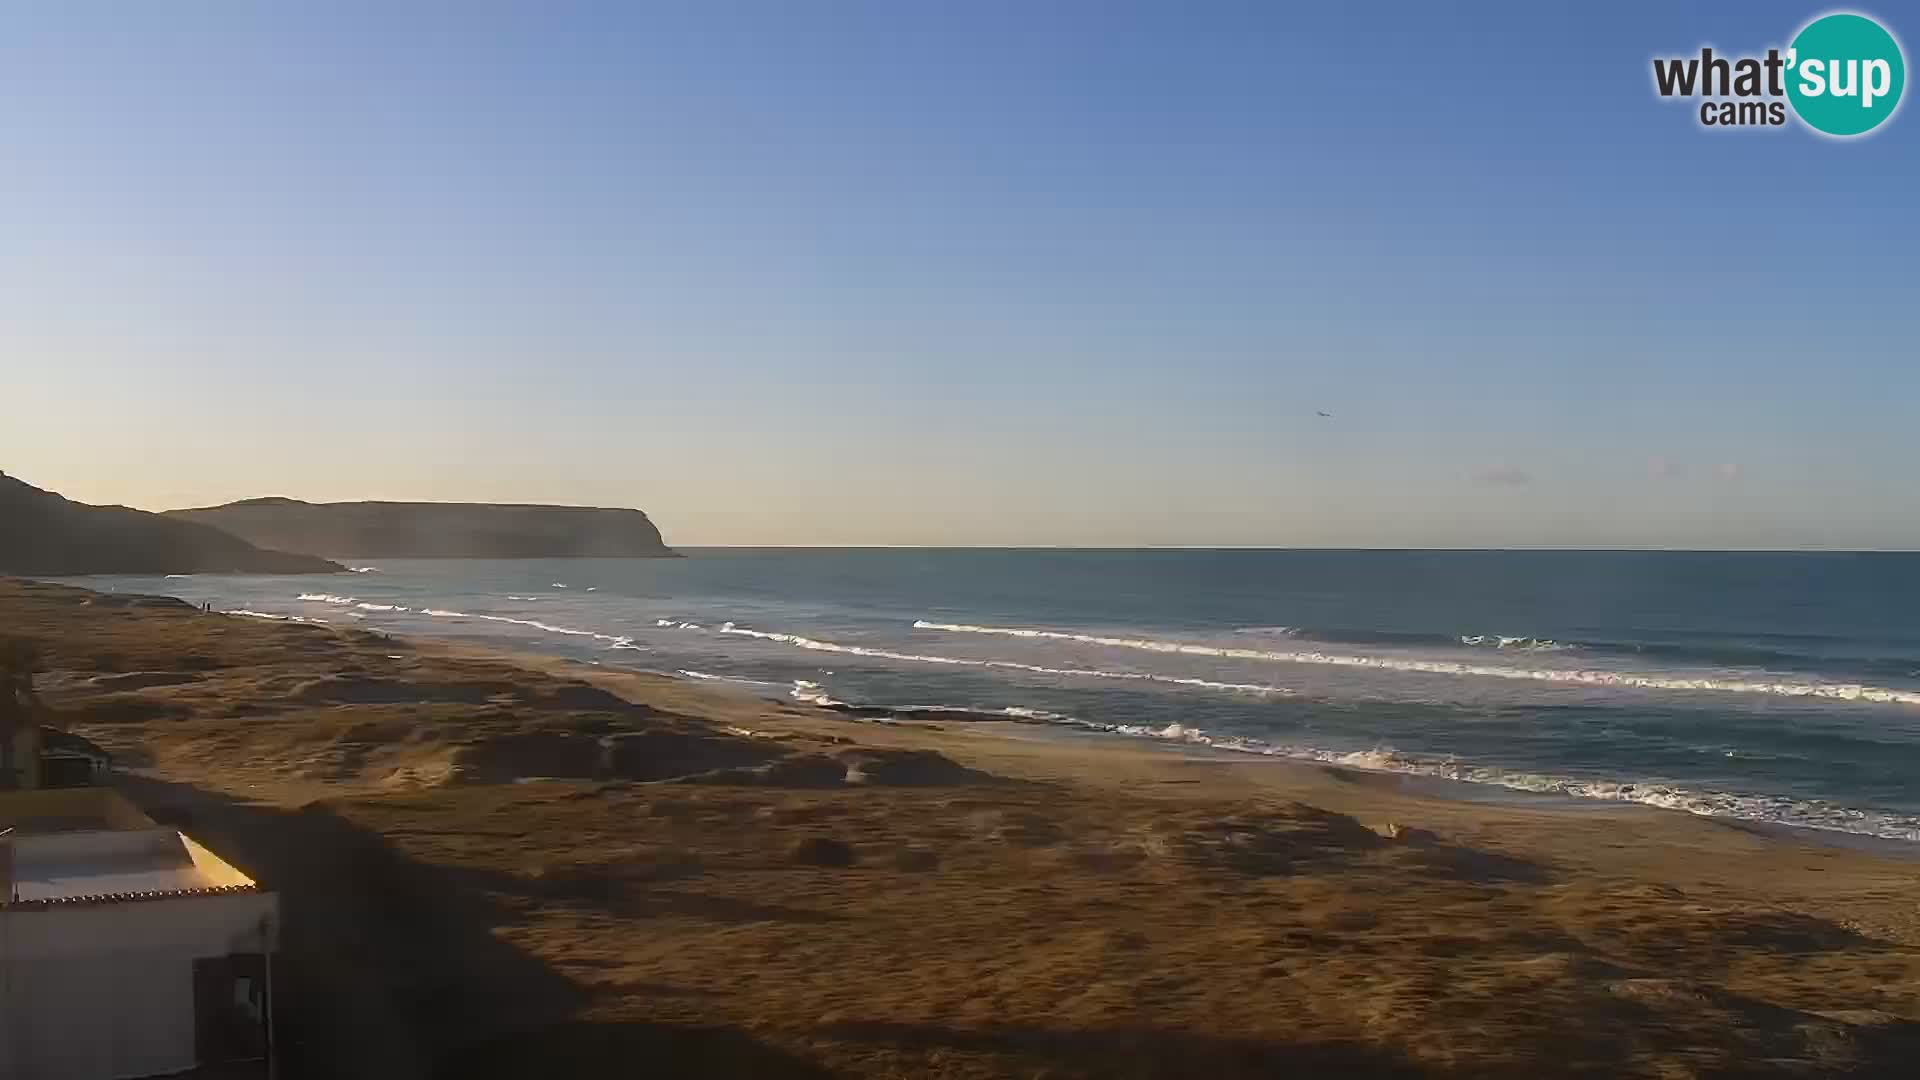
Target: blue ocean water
[{"x": 1778, "y": 687}]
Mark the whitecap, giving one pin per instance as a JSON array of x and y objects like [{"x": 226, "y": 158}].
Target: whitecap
[
  {"x": 818, "y": 645},
  {"x": 1585, "y": 676},
  {"x": 1800, "y": 813},
  {"x": 812, "y": 694},
  {"x": 1021, "y": 712},
  {"x": 251, "y": 614}
]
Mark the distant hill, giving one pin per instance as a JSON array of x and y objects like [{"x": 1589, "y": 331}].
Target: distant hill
[
  {"x": 45, "y": 535},
  {"x": 400, "y": 530}
]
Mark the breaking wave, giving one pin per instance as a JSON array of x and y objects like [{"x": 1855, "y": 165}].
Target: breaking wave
[
  {"x": 730, "y": 680},
  {"x": 618, "y": 641},
  {"x": 818, "y": 645},
  {"x": 1501, "y": 641},
  {"x": 251, "y": 614},
  {"x": 1586, "y": 676},
  {"x": 1796, "y": 652},
  {"x": 814, "y": 694},
  {"x": 348, "y": 601},
  {"x": 1800, "y": 813}
]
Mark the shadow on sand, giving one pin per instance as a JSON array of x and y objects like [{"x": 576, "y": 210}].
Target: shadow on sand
[{"x": 389, "y": 967}]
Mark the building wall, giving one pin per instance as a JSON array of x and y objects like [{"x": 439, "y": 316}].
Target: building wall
[{"x": 105, "y": 991}]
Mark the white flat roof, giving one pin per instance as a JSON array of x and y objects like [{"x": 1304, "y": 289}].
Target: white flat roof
[{"x": 99, "y": 866}]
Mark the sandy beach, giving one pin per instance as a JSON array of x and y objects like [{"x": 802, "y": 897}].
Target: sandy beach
[{"x": 495, "y": 864}]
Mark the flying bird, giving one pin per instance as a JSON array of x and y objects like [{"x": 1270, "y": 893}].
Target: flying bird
[{"x": 1328, "y": 415}]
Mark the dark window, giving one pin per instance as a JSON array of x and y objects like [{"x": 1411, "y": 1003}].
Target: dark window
[{"x": 230, "y": 1008}]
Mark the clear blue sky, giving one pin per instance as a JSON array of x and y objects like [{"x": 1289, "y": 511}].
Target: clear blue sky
[{"x": 972, "y": 273}]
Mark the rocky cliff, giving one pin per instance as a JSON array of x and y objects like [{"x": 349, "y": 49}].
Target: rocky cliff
[
  {"x": 368, "y": 530},
  {"x": 45, "y": 535}
]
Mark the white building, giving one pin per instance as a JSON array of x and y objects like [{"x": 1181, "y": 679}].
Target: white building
[{"x": 126, "y": 949}]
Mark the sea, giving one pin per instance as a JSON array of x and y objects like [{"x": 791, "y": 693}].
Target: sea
[{"x": 1772, "y": 687}]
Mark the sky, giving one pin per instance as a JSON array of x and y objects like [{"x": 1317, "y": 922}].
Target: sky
[{"x": 980, "y": 273}]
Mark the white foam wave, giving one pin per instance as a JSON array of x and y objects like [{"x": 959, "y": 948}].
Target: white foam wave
[
  {"x": 271, "y": 615},
  {"x": 364, "y": 569},
  {"x": 817, "y": 645},
  {"x": 1021, "y": 712},
  {"x": 1501, "y": 641},
  {"x": 1812, "y": 814},
  {"x": 348, "y": 601},
  {"x": 615, "y": 641},
  {"x": 1585, "y": 676},
  {"x": 812, "y": 694},
  {"x": 734, "y": 680},
  {"x": 538, "y": 625},
  {"x": 557, "y": 585}
]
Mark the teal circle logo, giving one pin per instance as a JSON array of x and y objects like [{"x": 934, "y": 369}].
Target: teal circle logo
[{"x": 1845, "y": 74}]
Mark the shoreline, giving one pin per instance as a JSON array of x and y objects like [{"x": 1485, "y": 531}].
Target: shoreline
[
  {"x": 1414, "y": 777},
  {"x": 508, "y": 861},
  {"x": 1700, "y": 789},
  {"x": 1048, "y": 738},
  {"x": 1072, "y": 730}
]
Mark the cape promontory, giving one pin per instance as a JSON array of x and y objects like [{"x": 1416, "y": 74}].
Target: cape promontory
[
  {"x": 45, "y": 535},
  {"x": 432, "y": 530}
]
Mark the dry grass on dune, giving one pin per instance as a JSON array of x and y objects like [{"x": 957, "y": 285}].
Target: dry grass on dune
[{"x": 490, "y": 870}]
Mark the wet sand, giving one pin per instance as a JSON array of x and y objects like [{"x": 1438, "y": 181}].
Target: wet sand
[{"x": 508, "y": 865}]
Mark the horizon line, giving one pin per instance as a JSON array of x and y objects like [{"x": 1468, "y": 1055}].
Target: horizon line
[{"x": 1310, "y": 547}]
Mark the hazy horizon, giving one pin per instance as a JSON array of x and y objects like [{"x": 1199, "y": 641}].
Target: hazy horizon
[{"x": 1078, "y": 276}]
